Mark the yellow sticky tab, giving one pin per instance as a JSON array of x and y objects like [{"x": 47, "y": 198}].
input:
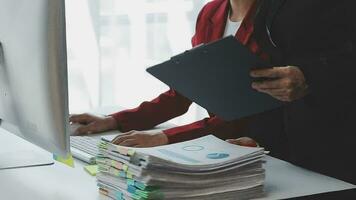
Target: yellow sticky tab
[
  {"x": 131, "y": 152},
  {"x": 92, "y": 169},
  {"x": 125, "y": 168},
  {"x": 129, "y": 175},
  {"x": 68, "y": 160}
]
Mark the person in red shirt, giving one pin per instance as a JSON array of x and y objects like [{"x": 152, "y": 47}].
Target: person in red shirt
[
  {"x": 215, "y": 19},
  {"x": 312, "y": 43}
]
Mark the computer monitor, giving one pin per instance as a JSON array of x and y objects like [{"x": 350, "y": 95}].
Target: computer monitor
[{"x": 33, "y": 74}]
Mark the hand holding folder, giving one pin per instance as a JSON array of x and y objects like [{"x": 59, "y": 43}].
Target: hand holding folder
[{"x": 217, "y": 77}]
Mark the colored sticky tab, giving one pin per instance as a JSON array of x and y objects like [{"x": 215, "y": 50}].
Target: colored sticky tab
[
  {"x": 92, "y": 169},
  {"x": 116, "y": 164},
  {"x": 122, "y": 174},
  {"x": 68, "y": 160},
  {"x": 131, "y": 189},
  {"x": 130, "y": 182},
  {"x": 141, "y": 186},
  {"x": 129, "y": 175},
  {"x": 122, "y": 150},
  {"x": 125, "y": 168},
  {"x": 119, "y": 195},
  {"x": 131, "y": 152}
]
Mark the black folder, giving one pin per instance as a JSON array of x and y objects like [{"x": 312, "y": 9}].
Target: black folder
[{"x": 217, "y": 77}]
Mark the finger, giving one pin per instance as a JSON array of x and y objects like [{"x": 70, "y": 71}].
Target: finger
[
  {"x": 232, "y": 141},
  {"x": 74, "y": 132},
  {"x": 238, "y": 141},
  {"x": 273, "y": 84},
  {"x": 126, "y": 134},
  {"x": 286, "y": 99},
  {"x": 121, "y": 138},
  {"x": 244, "y": 141},
  {"x": 275, "y": 92},
  {"x": 117, "y": 138},
  {"x": 129, "y": 132},
  {"x": 129, "y": 143},
  {"x": 82, "y": 119},
  {"x": 274, "y": 72},
  {"x": 89, "y": 129},
  {"x": 282, "y": 97},
  {"x": 75, "y": 118}
]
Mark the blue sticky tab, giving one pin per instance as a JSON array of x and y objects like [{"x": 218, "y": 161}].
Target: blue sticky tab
[
  {"x": 131, "y": 189},
  {"x": 119, "y": 195}
]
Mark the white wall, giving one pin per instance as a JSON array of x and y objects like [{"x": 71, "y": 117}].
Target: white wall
[{"x": 112, "y": 42}]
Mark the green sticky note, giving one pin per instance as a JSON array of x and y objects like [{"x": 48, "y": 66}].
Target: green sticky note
[
  {"x": 92, "y": 169},
  {"x": 125, "y": 168},
  {"x": 68, "y": 160}
]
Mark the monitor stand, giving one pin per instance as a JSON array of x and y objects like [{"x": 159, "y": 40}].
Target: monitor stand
[{"x": 15, "y": 152}]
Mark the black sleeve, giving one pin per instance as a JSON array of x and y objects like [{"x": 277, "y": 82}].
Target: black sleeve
[
  {"x": 333, "y": 75},
  {"x": 330, "y": 76},
  {"x": 351, "y": 17}
]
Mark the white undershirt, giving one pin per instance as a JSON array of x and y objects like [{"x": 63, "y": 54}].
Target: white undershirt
[{"x": 231, "y": 27}]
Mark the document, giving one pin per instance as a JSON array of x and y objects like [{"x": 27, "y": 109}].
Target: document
[
  {"x": 217, "y": 77},
  {"x": 204, "y": 168}
]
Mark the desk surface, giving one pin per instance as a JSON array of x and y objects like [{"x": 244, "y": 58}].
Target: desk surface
[{"x": 59, "y": 182}]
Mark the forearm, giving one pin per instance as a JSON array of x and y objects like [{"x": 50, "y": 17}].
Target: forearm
[
  {"x": 149, "y": 114},
  {"x": 211, "y": 125}
]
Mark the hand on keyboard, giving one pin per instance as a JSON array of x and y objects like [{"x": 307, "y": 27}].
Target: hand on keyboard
[
  {"x": 73, "y": 127},
  {"x": 90, "y": 124},
  {"x": 141, "y": 139}
]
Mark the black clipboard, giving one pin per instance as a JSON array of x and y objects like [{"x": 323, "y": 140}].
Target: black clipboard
[{"x": 217, "y": 77}]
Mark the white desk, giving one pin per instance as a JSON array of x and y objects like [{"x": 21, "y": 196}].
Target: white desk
[{"x": 59, "y": 182}]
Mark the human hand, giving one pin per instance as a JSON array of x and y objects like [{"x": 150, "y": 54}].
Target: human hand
[
  {"x": 141, "y": 139},
  {"x": 287, "y": 84},
  {"x": 243, "y": 141},
  {"x": 93, "y": 123}
]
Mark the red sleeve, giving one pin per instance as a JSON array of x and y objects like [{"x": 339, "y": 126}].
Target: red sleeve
[
  {"x": 169, "y": 105},
  {"x": 196, "y": 39},
  {"x": 212, "y": 125},
  {"x": 150, "y": 114}
]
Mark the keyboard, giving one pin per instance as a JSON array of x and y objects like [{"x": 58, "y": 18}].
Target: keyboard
[{"x": 84, "y": 148}]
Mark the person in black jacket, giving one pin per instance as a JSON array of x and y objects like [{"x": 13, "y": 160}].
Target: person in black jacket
[{"x": 312, "y": 46}]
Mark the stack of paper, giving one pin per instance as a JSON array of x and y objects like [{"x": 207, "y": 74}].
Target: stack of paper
[{"x": 205, "y": 168}]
